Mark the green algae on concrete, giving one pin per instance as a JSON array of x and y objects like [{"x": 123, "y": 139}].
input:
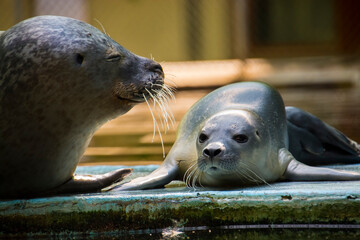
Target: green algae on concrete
[{"x": 280, "y": 203}]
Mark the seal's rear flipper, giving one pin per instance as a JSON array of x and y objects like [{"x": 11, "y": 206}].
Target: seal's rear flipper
[
  {"x": 296, "y": 171},
  {"x": 314, "y": 142},
  {"x": 157, "y": 179},
  {"x": 90, "y": 183}
]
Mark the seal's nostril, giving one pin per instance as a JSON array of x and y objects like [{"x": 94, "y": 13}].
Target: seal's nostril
[
  {"x": 155, "y": 67},
  {"x": 206, "y": 152},
  {"x": 217, "y": 152}
]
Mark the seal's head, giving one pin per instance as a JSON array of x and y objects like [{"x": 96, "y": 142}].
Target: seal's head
[
  {"x": 232, "y": 147},
  {"x": 57, "y": 55}
]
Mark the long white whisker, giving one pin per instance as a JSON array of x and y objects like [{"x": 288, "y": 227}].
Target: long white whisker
[
  {"x": 187, "y": 171},
  {"x": 102, "y": 26},
  {"x": 241, "y": 175},
  {"x": 246, "y": 172},
  {"x": 188, "y": 179},
  {"x": 200, "y": 175},
  {"x": 169, "y": 80},
  {"x": 166, "y": 109},
  {"x": 152, "y": 115},
  {"x": 163, "y": 111},
  {"x": 258, "y": 177},
  {"x": 157, "y": 126},
  {"x": 246, "y": 176},
  {"x": 159, "y": 115},
  {"x": 196, "y": 174}
]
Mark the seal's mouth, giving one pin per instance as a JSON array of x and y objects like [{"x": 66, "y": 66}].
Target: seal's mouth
[
  {"x": 149, "y": 91},
  {"x": 133, "y": 100},
  {"x": 142, "y": 96}
]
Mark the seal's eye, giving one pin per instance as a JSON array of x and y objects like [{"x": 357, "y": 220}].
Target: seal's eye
[
  {"x": 241, "y": 138},
  {"x": 113, "y": 58},
  {"x": 203, "y": 138}
]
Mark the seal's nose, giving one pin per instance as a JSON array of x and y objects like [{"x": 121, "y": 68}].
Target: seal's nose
[
  {"x": 156, "y": 80},
  {"x": 213, "y": 150},
  {"x": 208, "y": 152},
  {"x": 156, "y": 67}
]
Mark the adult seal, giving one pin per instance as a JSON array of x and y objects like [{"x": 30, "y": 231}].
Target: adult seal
[
  {"x": 239, "y": 135},
  {"x": 60, "y": 80}
]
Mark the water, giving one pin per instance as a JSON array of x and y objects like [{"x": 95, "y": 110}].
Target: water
[
  {"x": 127, "y": 140},
  {"x": 225, "y": 232}
]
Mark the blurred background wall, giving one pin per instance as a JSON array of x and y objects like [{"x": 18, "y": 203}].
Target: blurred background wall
[{"x": 179, "y": 30}]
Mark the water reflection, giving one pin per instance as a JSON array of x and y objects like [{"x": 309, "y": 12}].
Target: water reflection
[
  {"x": 128, "y": 139},
  {"x": 214, "y": 234}
]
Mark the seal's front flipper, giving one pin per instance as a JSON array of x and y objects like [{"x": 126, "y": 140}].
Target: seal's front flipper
[
  {"x": 297, "y": 171},
  {"x": 90, "y": 183},
  {"x": 157, "y": 179},
  {"x": 314, "y": 142}
]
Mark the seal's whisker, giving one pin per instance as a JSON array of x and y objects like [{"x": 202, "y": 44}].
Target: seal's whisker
[
  {"x": 256, "y": 175},
  {"x": 250, "y": 177},
  {"x": 259, "y": 177},
  {"x": 191, "y": 177},
  {"x": 165, "y": 109},
  {"x": 187, "y": 171},
  {"x": 189, "y": 174},
  {"x": 166, "y": 100},
  {"x": 196, "y": 174},
  {"x": 156, "y": 125},
  {"x": 188, "y": 184},
  {"x": 164, "y": 120},
  {"x": 169, "y": 80},
  {"x": 246, "y": 173},
  {"x": 165, "y": 92},
  {"x": 154, "y": 121},
  {"x": 169, "y": 89},
  {"x": 154, "y": 98},
  {"x": 200, "y": 175},
  {"x": 160, "y": 115},
  {"x": 167, "y": 114},
  {"x": 186, "y": 174},
  {"x": 164, "y": 114},
  {"x": 246, "y": 176},
  {"x": 241, "y": 175},
  {"x": 164, "y": 106},
  {"x": 102, "y": 26},
  {"x": 170, "y": 92}
]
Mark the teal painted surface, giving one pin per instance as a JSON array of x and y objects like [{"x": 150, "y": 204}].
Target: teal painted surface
[{"x": 279, "y": 203}]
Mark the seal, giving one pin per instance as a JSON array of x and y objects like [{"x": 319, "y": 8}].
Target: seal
[
  {"x": 60, "y": 80},
  {"x": 239, "y": 135}
]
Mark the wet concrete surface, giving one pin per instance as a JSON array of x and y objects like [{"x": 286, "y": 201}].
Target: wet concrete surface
[{"x": 179, "y": 207}]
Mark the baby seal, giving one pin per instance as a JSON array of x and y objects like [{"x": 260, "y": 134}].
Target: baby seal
[
  {"x": 60, "y": 80},
  {"x": 239, "y": 135}
]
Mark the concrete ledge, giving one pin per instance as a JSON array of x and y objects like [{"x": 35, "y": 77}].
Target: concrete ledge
[{"x": 280, "y": 203}]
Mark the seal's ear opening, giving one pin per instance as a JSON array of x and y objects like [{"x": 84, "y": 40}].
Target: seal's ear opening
[{"x": 79, "y": 58}]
